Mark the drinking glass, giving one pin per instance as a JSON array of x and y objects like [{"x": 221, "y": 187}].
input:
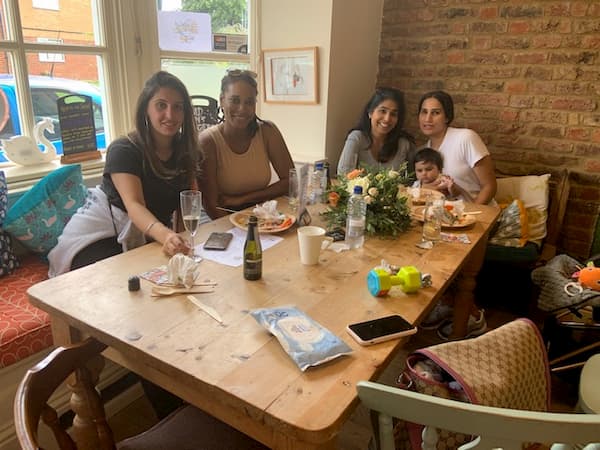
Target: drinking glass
[
  {"x": 191, "y": 208},
  {"x": 294, "y": 192}
]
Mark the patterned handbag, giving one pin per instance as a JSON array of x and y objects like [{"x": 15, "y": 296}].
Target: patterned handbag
[{"x": 506, "y": 367}]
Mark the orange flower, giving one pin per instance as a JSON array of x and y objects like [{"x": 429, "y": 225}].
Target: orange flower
[
  {"x": 333, "y": 198},
  {"x": 355, "y": 173}
]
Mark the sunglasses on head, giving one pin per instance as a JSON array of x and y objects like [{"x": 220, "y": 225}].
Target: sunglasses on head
[{"x": 241, "y": 73}]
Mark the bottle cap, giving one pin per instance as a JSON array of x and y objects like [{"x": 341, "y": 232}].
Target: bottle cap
[
  {"x": 133, "y": 284},
  {"x": 319, "y": 165},
  {"x": 252, "y": 219},
  {"x": 358, "y": 189}
]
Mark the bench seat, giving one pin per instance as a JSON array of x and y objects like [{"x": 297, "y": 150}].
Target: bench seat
[{"x": 24, "y": 329}]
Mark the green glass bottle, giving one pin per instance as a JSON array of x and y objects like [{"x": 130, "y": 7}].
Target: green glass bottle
[{"x": 252, "y": 252}]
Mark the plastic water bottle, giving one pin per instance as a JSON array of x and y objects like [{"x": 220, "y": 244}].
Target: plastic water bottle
[
  {"x": 356, "y": 219},
  {"x": 318, "y": 184}
]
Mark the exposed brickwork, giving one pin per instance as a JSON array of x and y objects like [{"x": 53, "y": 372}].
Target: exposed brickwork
[{"x": 524, "y": 75}]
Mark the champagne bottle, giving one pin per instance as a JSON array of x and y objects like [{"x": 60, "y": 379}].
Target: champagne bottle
[{"x": 252, "y": 252}]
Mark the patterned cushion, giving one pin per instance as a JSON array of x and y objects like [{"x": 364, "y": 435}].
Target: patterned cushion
[
  {"x": 24, "y": 329},
  {"x": 534, "y": 191},
  {"x": 8, "y": 261},
  {"x": 512, "y": 229},
  {"x": 38, "y": 218}
]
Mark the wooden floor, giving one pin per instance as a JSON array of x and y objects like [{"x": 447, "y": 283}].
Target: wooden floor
[{"x": 357, "y": 432}]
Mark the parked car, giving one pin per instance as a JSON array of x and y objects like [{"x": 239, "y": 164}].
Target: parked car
[{"x": 44, "y": 93}]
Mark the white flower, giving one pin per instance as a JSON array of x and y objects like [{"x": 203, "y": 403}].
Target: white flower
[
  {"x": 373, "y": 192},
  {"x": 358, "y": 181},
  {"x": 369, "y": 199},
  {"x": 379, "y": 176},
  {"x": 393, "y": 174}
]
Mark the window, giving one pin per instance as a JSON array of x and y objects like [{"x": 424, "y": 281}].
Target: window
[
  {"x": 107, "y": 49},
  {"x": 56, "y": 52},
  {"x": 221, "y": 32},
  {"x": 51, "y": 57},
  {"x": 45, "y": 4}
]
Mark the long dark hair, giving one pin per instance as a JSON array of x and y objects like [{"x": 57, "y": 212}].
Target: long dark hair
[
  {"x": 390, "y": 146},
  {"x": 247, "y": 76},
  {"x": 446, "y": 101},
  {"x": 185, "y": 144}
]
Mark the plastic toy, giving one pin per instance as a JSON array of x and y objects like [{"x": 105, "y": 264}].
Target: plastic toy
[
  {"x": 380, "y": 280},
  {"x": 587, "y": 278}
]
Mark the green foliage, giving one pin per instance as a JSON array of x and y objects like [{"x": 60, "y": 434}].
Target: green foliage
[
  {"x": 388, "y": 213},
  {"x": 225, "y": 14}
]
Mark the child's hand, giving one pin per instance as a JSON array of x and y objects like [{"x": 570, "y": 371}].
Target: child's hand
[{"x": 445, "y": 182}]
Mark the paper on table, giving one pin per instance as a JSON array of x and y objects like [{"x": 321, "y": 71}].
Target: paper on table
[{"x": 233, "y": 256}]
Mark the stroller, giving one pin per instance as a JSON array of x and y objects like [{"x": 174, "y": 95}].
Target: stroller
[{"x": 572, "y": 325}]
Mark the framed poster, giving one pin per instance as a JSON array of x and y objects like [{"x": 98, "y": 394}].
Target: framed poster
[{"x": 291, "y": 75}]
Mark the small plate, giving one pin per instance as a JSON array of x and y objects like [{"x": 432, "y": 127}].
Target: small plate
[
  {"x": 240, "y": 220},
  {"x": 424, "y": 194},
  {"x": 466, "y": 220}
]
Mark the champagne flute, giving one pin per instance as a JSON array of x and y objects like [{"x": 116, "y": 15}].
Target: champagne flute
[{"x": 191, "y": 208}]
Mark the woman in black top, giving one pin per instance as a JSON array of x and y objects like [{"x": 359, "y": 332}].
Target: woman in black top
[{"x": 143, "y": 175}]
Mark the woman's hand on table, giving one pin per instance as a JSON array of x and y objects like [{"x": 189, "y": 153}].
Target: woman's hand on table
[{"x": 175, "y": 244}]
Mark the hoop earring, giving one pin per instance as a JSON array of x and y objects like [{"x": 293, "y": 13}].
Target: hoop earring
[{"x": 146, "y": 122}]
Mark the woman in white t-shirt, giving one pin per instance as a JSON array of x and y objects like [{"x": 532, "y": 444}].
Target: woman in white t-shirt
[
  {"x": 468, "y": 161},
  {"x": 466, "y": 158}
]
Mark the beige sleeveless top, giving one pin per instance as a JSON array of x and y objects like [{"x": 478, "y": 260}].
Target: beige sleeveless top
[{"x": 241, "y": 173}]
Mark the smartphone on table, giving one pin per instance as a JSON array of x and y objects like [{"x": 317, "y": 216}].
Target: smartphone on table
[
  {"x": 218, "y": 241},
  {"x": 380, "y": 330}
]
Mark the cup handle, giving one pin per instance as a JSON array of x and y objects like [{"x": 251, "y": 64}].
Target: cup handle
[{"x": 327, "y": 241}]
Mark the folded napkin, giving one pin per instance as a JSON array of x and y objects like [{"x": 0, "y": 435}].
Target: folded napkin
[
  {"x": 268, "y": 210},
  {"x": 182, "y": 270}
]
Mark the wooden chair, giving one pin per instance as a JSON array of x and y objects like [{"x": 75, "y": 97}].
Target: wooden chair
[
  {"x": 494, "y": 427},
  {"x": 186, "y": 428},
  {"x": 516, "y": 263}
]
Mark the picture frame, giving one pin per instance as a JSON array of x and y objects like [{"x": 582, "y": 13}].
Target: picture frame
[{"x": 291, "y": 75}]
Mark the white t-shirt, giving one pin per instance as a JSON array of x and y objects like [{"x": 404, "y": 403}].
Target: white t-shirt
[{"x": 461, "y": 149}]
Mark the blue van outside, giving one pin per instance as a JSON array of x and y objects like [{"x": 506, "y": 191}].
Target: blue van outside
[{"x": 44, "y": 93}]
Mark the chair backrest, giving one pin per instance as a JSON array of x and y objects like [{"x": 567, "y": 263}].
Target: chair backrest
[
  {"x": 38, "y": 384},
  {"x": 494, "y": 427},
  {"x": 205, "y": 111}
]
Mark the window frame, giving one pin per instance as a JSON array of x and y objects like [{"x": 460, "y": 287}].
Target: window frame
[{"x": 127, "y": 46}]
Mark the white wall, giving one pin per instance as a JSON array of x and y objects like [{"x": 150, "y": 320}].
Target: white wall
[
  {"x": 292, "y": 24},
  {"x": 356, "y": 31},
  {"x": 346, "y": 33}
]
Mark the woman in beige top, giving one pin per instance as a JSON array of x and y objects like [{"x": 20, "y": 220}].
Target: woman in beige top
[{"x": 239, "y": 152}]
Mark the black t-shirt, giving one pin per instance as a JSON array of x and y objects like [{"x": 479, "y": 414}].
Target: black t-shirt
[{"x": 161, "y": 196}]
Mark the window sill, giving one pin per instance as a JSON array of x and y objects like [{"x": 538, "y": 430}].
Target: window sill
[{"x": 21, "y": 178}]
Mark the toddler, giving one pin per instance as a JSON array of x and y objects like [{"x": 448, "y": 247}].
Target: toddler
[{"x": 428, "y": 169}]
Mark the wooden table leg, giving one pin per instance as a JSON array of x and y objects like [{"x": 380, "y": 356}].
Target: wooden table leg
[{"x": 464, "y": 298}]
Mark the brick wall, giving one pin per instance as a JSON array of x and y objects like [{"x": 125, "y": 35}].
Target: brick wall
[{"x": 524, "y": 74}]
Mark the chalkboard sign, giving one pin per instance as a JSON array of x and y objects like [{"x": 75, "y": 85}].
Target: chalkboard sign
[{"x": 78, "y": 131}]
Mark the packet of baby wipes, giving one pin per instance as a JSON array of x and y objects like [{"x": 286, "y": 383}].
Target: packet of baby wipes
[{"x": 307, "y": 342}]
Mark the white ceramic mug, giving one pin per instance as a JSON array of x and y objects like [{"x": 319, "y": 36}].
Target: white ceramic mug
[{"x": 311, "y": 240}]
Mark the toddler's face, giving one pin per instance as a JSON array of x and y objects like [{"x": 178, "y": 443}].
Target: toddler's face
[{"x": 427, "y": 172}]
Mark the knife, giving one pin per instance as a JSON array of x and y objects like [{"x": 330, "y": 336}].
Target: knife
[{"x": 212, "y": 312}]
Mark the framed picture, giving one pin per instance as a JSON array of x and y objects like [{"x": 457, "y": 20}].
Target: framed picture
[{"x": 291, "y": 75}]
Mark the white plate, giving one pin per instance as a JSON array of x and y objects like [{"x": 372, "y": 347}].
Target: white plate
[
  {"x": 240, "y": 220},
  {"x": 466, "y": 220}
]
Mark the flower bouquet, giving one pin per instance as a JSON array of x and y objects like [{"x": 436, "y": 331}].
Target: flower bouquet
[{"x": 388, "y": 213}]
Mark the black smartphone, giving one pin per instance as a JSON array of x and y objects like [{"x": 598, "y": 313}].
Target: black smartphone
[
  {"x": 380, "y": 330},
  {"x": 218, "y": 241}
]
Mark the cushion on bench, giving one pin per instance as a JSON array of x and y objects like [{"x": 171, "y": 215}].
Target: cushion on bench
[{"x": 24, "y": 329}]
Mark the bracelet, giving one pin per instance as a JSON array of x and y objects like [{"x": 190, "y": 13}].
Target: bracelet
[{"x": 150, "y": 226}]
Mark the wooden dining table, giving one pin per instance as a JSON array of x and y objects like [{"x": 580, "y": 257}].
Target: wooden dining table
[{"x": 237, "y": 371}]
